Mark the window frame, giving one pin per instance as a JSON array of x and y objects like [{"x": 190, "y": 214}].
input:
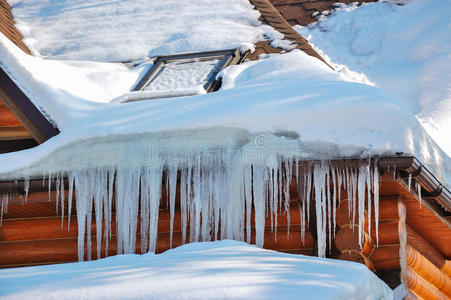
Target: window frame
[{"x": 227, "y": 57}]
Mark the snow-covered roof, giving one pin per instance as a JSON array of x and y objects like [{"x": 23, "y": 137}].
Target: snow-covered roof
[{"x": 331, "y": 115}]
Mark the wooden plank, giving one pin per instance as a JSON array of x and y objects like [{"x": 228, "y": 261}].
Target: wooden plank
[
  {"x": 16, "y": 145},
  {"x": 425, "y": 223},
  {"x": 7, "y": 118},
  {"x": 10, "y": 133}
]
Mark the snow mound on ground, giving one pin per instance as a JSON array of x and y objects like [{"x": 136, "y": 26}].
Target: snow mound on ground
[
  {"x": 404, "y": 50},
  {"x": 122, "y": 30},
  {"x": 225, "y": 269}
]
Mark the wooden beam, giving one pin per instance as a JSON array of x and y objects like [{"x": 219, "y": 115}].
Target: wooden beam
[
  {"x": 19, "y": 104},
  {"x": 7, "y": 118},
  {"x": 11, "y": 133},
  {"x": 428, "y": 270},
  {"x": 16, "y": 145},
  {"x": 422, "y": 287}
]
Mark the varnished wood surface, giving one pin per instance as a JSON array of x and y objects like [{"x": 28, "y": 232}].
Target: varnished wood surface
[
  {"x": 428, "y": 271},
  {"x": 422, "y": 287}
]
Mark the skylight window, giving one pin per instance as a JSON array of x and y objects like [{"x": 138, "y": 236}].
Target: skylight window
[{"x": 187, "y": 74}]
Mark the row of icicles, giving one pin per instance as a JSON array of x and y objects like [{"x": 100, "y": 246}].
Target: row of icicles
[{"x": 216, "y": 200}]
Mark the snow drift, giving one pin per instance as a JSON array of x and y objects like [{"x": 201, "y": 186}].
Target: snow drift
[{"x": 226, "y": 269}]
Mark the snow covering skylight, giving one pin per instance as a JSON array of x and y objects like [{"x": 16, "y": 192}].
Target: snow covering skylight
[{"x": 185, "y": 74}]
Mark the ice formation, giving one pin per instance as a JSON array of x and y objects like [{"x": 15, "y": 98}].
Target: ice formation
[{"x": 217, "y": 194}]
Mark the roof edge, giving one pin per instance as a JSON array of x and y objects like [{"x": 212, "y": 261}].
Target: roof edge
[
  {"x": 24, "y": 110},
  {"x": 271, "y": 16},
  {"x": 435, "y": 196}
]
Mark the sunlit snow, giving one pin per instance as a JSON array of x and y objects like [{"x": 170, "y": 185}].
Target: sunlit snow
[
  {"x": 225, "y": 270},
  {"x": 403, "y": 50}
]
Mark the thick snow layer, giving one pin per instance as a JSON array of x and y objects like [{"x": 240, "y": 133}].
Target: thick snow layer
[
  {"x": 123, "y": 30},
  {"x": 225, "y": 270},
  {"x": 403, "y": 50},
  {"x": 292, "y": 95}
]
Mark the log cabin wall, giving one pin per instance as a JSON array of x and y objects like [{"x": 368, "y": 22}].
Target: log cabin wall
[
  {"x": 33, "y": 233},
  {"x": 412, "y": 241}
]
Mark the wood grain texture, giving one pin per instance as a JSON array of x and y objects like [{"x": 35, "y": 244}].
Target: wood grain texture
[
  {"x": 428, "y": 271},
  {"x": 7, "y": 118},
  {"x": 10, "y": 133},
  {"x": 422, "y": 287}
]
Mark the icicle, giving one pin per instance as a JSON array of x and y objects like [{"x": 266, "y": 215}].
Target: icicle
[
  {"x": 62, "y": 201},
  {"x": 108, "y": 207},
  {"x": 369, "y": 185},
  {"x": 248, "y": 188},
  {"x": 156, "y": 174},
  {"x": 83, "y": 193},
  {"x": 320, "y": 206},
  {"x": 172, "y": 180},
  {"x": 100, "y": 197},
  {"x": 216, "y": 199},
  {"x": 419, "y": 193},
  {"x": 329, "y": 204},
  {"x": 286, "y": 192},
  {"x": 71, "y": 177},
  {"x": 50, "y": 185},
  {"x": 409, "y": 181},
  {"x": 26, "y": 187},
  {"x": 376, "y": 199},
  {"x": 259, "y": 203},
  {"x": 362, "y": 175},
  {"x": 127, "y": 200},
  {"x": 334, "y": 198},
  {"x": 4, "y": 208},
  {"x": 57, "y": 189}
]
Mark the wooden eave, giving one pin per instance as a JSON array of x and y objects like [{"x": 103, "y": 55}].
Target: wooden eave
[
  {"x": 22, "y": 114},
  {"x": 22, "y": 125}
]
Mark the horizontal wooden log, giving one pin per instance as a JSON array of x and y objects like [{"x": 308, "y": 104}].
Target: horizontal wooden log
[
  {"x": 347, "y": 238},
  {"x": 13, "y": 133},
  {"x": 65, "y": 249},
  {"x": 422, "y": 287},
  {"x": 386, "y": 257},
  {"x": 357, "y": 257},
  {"x": 387, "y": 232},
  {"x": 428, "y": 271},
  {"x": 51, "y": 228},
  {"x": 388, "y": 210},
  {"x": 446, "y": 268},
  {"x": 427, "y": 250}
]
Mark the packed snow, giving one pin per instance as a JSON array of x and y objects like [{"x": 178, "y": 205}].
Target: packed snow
[
  {"x": 126, "y": 30},
  {"x": 172, "y": 79},
  {"x": 403, "y": 50},
  {"x": 225, "y": 270}
]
